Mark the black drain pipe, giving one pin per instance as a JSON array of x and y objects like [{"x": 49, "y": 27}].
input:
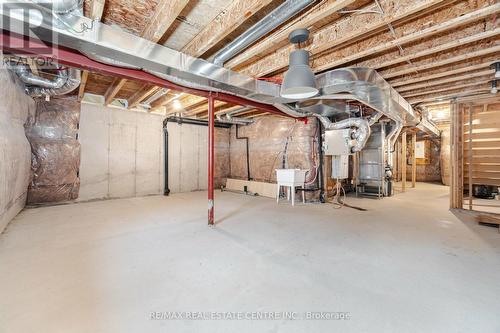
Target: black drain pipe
[
  {"x": 180, "y": 121},
  {"x": 321, "y": 184},
  {"x": 248, "y": 153},
  {"x": 166, "y": 190}
]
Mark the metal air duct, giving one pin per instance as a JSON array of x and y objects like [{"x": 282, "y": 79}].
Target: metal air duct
[{"x": 271, "y": 21}]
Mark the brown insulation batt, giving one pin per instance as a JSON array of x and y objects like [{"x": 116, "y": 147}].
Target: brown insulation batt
[
  {"x": 55, "y": 151},
  {"x": 271, "y": 140}
]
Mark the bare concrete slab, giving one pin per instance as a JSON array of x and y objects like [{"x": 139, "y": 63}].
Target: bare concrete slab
[{"x": 405, "y": 265}]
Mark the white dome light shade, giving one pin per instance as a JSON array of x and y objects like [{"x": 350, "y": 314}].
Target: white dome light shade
[{"x": 299, "y": 81}]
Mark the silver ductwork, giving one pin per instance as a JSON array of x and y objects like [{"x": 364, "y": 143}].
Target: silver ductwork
[
  {"x": 27, "y": 77},
  {"x": 234, "y": 121},
  {"x": 119, "y": 48},
  {"x": 65, "y": 81},
  {"x": 271, "y": 21},
  {"x": 66, "y": 6},
  {"x": 71, "y": 78},
  {"x": 360, "y": 134}
]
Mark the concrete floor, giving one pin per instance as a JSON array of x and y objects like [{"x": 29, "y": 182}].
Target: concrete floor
[{"x": 405, "y": 265}]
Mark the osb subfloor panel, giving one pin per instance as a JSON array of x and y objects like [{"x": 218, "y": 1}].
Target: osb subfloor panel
[{"x": 405, "y": 265}]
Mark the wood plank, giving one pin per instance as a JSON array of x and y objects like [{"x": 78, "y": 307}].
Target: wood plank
[
  {"x": 308, "y": 19},
  {"x": 83, "y": 83},
  {"x": 140, "y": 95},
  {"x": 485, "y": 181},
  {"x": 443, "y": 47},
  {"x": 403, "y": 162},
  {"x": 441, "y": 63},
  {"x": 97, "y": 9},
  {"x": 263, "y": 189},
  {"x": 165, "y": 14},
  {"x": 484, "y": 136},
  {"x": 485, "y": 160},
  {"x": 429, "y": 98},
  {"x": 448, "y": 79},
  {"x": 488, "y": 218},
  {"x": 347, "y": 30},
  {"x": 485, "y": 152},
  {"x": 410, "y": 38},
  {"x": 445, "y": 74},
  {"x": 226, "y": 22},
  {"x": 113, "y": 89},
  {"x": 448, "y": 87},
  {"x": 469, "y": 154},
  {"x": 456, "y": 156},
  {"x": 486, "y": 144},
  {"x": 413, "y": 160},
  {"x": 483, "y": 174}
]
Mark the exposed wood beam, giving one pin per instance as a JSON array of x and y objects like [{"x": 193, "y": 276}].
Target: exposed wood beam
[
  {"x": 204, "y": 108},
  {"x": 443, "y": 47},
  {"x": 306, "y": 20},
  {"x": 140, "y": 95},
  {"x": 441, "y": 97},
  {"x": 226, "y": 22},
  {"x": 97, "y": 9},
  {"x": 113, "y": 89},
  {"x": 333, "y": 59},
  {"x": 404, "y": 146},
  {"x": 164, "y": 101},
  {"x": 165, "y": 14},
  {"x": 448, "y": 88},
  {"x": 446, "y": 80},
  {"x": 345, "y": 31},
  {"x": 33, "y": 66},
  {"x": 435, "y": 64},
  {"x": 83, "y": 83},
  {"x": 96, "y": 12},
  {"x": 411, "y": 80}
]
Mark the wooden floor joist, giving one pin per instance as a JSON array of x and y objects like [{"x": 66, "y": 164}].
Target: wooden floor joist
[
  {"x": 308, "y": 19},
  {"x": 441, "y": 74},
  {"x": 344, "y": 31},
  {"x": 232, "y": 17},
  {"x": 419, "y": 35},
  {"x": 447, "y": 79},
  {"x": 435, "y": 64}
]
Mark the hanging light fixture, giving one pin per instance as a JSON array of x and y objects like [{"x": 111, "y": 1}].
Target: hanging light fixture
[
  {"x": 496, "y": 67},
  {"x": 494, "y": 88},
  {"x": 299, "y": 81}
]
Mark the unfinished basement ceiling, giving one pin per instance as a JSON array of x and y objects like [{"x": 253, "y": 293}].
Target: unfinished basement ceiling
[{"x": 427, "y": 50}]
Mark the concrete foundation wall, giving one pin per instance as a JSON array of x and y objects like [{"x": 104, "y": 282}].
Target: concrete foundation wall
[
  {"x": 188, "y": 153},
  {"x": 122, "y": 154},
  {"x": 15, "y": 152}
]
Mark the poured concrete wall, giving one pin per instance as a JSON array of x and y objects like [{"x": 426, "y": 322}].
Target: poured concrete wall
[
  {"x": 15, "y": 152},
  {"x": 122, "y": 154},
  {"x": 188, "y": 148}
]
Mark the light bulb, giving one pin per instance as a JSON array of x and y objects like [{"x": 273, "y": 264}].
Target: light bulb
[{"x": 177, "y": 105}]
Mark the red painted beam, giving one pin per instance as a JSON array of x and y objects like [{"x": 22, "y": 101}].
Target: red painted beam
[
  {"x": 69, "y": 57},
  {"x": 211, "y": 156}
]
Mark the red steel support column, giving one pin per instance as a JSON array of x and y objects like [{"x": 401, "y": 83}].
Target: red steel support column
[{"x": 211, "y": 159}]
